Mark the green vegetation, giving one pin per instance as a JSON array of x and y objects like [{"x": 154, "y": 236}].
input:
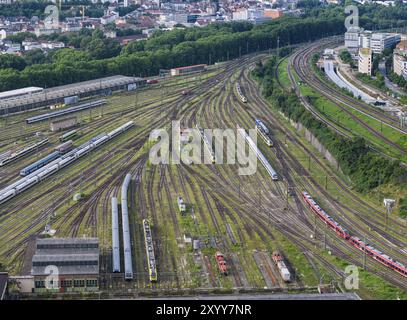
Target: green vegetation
[
  {"x": 297, "y": 258},
  {"x": 403, "y": 207},
  {"x": 399, "y": 80},
  {"x": 378, "y": 82},
  {"x": 346, "y": 57},
  {"x": 366, "y": 168},
  {"x": 371, "y": 16},
  {"x": 377, "y": 288}
]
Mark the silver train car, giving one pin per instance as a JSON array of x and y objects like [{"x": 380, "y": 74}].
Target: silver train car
[
  {"x": 259, "y": 154},
  {"x": 115, "y": 236},
  {"x": 128, "y": 263},
  {"x": 21, "y": 153}
]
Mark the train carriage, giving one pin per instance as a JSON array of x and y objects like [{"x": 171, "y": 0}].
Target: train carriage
[
  {"x": 354, "y": 241},
  {"x": 148, "y": 240}
]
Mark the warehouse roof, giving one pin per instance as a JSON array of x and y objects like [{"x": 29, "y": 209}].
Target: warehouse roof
[
  {"x": 17, "y": 92},
  {"x": 66, "y": 241},
  {"x": 69, "y": 255},
  {"x": 187, "y": 67},
  {"x": 70, "y": 90}
]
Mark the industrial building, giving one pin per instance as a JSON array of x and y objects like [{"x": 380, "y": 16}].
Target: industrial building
[
  {"x": 365, "y": 61},
  {"x": 24, "y": 92},
  {"x": 73, "y": 261},
  {"x": 356, "y": 38},
  {"x": 63, "y": 124},
  {"x": 187, "y": 70},
  {"x": 400, "y": 59},
  {"x": 352, "y": 40},
  {"x": 382, "y": 41},
  {"x": 55, "y": 95}
]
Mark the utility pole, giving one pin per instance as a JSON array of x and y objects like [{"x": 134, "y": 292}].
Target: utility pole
[
  {"x": 278, "y": 46},
  {"x": 239, "y": 189},
  {"x": 388, "y": 203},
  {"x": 326, "y": 182},
  {"x": 287, "y": 196}
]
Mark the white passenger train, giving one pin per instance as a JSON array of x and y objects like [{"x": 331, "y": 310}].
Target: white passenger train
[
  {"x": 37, "y": 176},
  {"x": 259, "y": 154},
  {"x": 128, "y": 261}
]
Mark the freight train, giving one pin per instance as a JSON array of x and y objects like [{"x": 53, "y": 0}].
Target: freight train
[
  {"x": 41, "y": 174},
  {"x": 220, "y": 259},
  {"x": 64, "y": 147},
  {"x": 354, "y": 241},
  {"x": 282, "y": 268},
  {"x": 21, "y": 153},
  {"x": 264, "y": 132},
  {"x": 148, "y": 240},
  {"x": 240, "y": 94}
]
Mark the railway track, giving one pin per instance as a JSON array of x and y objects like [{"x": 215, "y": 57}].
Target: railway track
[{"x": 300, "y": 63}]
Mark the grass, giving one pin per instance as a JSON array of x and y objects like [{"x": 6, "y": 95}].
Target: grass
[
  {"x": 283, "y": 75},
  {"x": 296, "y": 258},
  {"x": 330, "y": 111}
]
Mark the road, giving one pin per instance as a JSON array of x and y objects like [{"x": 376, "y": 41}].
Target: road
[{"x": 389, "y": 84}]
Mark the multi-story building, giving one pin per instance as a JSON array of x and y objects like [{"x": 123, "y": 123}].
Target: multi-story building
[
  {"x": 364, "y": 39},
  {"x": 365, "y": 61},
  {"x": 66, "y": 264},
  {"x": 242, "y": 14},
  {"x": 352, "y": 40},
  {"x": 31, "y": 45},
  {"x": 382, "y": 41},
  {"x": 40, "y": 31},
  {"x": 400, "y": 59}
]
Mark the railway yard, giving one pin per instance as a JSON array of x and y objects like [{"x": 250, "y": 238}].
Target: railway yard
[{"x": 253, "y": 226}]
